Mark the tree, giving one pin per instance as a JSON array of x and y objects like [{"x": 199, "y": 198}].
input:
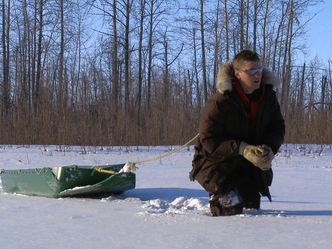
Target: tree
[
  {"x": 254, "y": 32},
  {"x": 264, "y": 35},
  {"x": 216, "y": 45},
  {"x": 286, "y": 69},
  {"x": 204, "y": 77},
  {"x": 140, "y": 61},
  {"x": 247, "y": 23},
  {"x": 241, "y": 17},
  {"x": 115, "y": 71},
  {"x": 226, "y": 30},
  {"x": 39, "y": 11},
  {"x": 156, "y": 11},
  {"x": 61, "y": 58},
  {"x": 129, "y": 67},
  {"x": 5, "y": 57},
  {"x": 128, "y": 7}
]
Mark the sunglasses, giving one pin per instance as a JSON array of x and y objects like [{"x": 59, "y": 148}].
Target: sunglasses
[{"x": 253, "y": 71}]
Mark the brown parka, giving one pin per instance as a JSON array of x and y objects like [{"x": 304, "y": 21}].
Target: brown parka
[{"x": 224, "y": 124}]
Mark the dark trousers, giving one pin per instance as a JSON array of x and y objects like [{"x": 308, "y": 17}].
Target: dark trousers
[{"x": 240, "y": 174}]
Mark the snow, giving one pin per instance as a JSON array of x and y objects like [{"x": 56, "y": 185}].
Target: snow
[{"x": 166, "y": 210}]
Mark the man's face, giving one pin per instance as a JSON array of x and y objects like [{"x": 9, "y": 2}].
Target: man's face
[{"x": 249, "y": 75}]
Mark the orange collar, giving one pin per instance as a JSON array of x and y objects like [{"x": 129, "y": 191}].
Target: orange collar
[{"x": 251, "y": 106}]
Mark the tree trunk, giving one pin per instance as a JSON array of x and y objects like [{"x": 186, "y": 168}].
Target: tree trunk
[
  {"x": 287, "y": 60},
  {"x": 115, "y": 71},
  {"x": 140, "y": 64},
  {"x": 276, "y": 42},
  {"x": 302, "y": 86},
  {"x": 247, "y": 24},
  {"x": 255, "y": 26},
  {"x": 61, "y": 59},
  {"x": 226, "y": 30},
  {"x": 216, "y": 46},
  {"x": 127, "y": 55},
  {"x": 38, "y": 52},
  {"x": 323, "y": 94},
  {"x": 150, "y": 48},
  {"x": 198, "y": 92},
  {"x": 5, "y": 57},
  {"x": 203, "y": 51},
  {"x": 241, "y": 17},
  {"x": 263, "y": 53},
  {"x": 26, "y": 59}
]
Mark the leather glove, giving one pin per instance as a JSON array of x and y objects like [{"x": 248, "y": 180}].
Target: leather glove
[{"x": 260, "y": 156}]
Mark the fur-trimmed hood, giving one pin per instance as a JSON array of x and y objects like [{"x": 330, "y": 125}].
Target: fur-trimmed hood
[{"x": 226, "y": 76}]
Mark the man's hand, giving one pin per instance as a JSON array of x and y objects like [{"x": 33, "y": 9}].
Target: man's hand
[{"x": 261, "y": 156}]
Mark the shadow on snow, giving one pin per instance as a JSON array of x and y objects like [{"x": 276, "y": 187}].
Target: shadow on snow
[
  {"x": 295, "y": 213},
  {"x": 169, "y": 194}
]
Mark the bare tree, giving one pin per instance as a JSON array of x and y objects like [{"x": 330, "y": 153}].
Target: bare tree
[
  {"x": 128, "y": 6},
  {"x": 61, "y": 57},
  {"x": 286, "y": 69},
  {"x": 115, "y": 71},
  {"x": 254, "y": 32},
  {"x": 204, "y": 77},
  {"x": 247, "y": 23},
  {"x": 44, "y": 63},
  {"x": 5, "y": 57},
  {"x": 156, "y": 12},
  {"x": 152, "y": 14},
  {"x": 264, "y": 34},
  {"x": 198, "y": 91},
  {"x": 277, "y": 40},
  {"x": 216, "y": 44},
  {"x": 226, "y": 30},
  {"x": 241, "y": 19},
  {"x": 39, "y": 10},
  {"x": 140, "y": 61}
]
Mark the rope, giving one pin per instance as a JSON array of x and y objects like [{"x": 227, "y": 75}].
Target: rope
[
  {"x": 131, "y": 166},
  {"x": 168, "y": 153},
  {"x": 100, "y": 170}
]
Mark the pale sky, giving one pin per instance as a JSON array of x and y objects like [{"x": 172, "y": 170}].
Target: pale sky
[{"x": 319, "y": 36}]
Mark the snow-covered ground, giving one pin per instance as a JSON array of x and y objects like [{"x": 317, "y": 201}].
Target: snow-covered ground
[{"x": 166, "y": 210}]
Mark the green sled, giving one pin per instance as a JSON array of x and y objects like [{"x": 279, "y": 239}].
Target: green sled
[{"x": 68, "y": 181}]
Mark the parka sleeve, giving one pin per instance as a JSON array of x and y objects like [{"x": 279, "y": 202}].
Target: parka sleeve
[{"x": 211, "y": 130}]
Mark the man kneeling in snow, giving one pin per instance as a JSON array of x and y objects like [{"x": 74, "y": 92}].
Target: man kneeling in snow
[{"x": 240, "y": 131}]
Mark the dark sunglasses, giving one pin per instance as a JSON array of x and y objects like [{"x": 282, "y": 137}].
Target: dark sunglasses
[{"x": 253, "y": 71}]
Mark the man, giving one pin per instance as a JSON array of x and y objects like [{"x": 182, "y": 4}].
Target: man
[{"x": 240, "y": 131}]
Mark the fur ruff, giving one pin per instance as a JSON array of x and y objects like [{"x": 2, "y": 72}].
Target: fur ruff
[{"x": 226, "y": 76}]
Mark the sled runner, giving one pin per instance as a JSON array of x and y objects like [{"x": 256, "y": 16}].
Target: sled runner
[{"x": 68, "y": 181}]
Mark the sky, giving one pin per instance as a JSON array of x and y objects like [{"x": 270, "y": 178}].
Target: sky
[
  {"x": 318, "y": 39},
  {"x": 319, "y": 35}
]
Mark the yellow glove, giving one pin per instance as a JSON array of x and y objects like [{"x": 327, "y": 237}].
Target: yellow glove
[{"x": 261, "y": 156}]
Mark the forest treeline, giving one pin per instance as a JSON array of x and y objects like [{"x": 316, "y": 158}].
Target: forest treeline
[{"x": 138, "y": 72}]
